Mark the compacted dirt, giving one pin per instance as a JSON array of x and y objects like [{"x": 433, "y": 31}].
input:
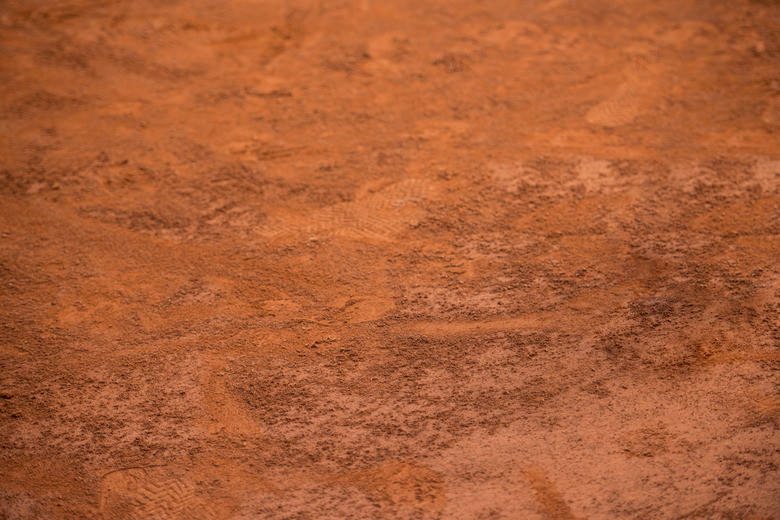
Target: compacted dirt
[{"x": 389, "y": 259}]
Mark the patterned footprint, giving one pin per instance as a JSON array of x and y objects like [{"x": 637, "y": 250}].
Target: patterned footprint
[
  {"x": 629, "y": 100},
  {"x": 771, "y": 115},
  {"x": 156, "y": 492},
  {"x": 376, "y": 215}
]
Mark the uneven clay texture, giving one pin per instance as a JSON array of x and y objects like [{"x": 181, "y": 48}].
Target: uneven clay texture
[{"x": 389, "y": 259}]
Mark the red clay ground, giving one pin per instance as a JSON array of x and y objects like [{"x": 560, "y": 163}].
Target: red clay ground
[{"x": 374, "y": 259}]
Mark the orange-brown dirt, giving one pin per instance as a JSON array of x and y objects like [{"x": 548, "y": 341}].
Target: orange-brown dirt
[{"x": 389, "y": 259}]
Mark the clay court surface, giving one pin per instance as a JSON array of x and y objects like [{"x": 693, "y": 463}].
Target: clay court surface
[{"x": 389, "y": 259}]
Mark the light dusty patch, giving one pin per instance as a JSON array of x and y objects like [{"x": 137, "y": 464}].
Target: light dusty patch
[
  {"x": 509, "y": 34},
  {"x": 596, "y": 174},
  {"x": 428, "y": 129},
  {"x": 766, "y": 172},
  {"x": 376, "y": 215}
]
